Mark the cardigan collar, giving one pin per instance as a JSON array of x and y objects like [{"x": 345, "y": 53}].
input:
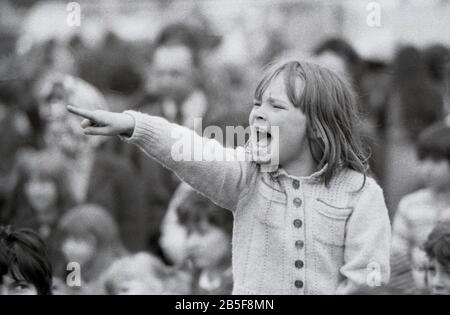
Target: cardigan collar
[{"x": 313, "y": 178}]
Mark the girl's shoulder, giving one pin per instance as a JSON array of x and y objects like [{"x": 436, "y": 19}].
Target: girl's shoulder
[{"x": 355, "y": 182}]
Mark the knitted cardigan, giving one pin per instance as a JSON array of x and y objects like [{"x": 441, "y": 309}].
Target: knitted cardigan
[{"x": 292, "y": 235}]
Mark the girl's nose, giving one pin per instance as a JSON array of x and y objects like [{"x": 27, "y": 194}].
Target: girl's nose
[{"x": 261, "y": 113}]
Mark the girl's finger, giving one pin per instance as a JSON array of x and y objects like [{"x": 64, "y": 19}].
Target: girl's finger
[
  {"x": 96, "y": 131},
  {"x": 86, "y": 123},
  {"x": 85, "y": 113}
]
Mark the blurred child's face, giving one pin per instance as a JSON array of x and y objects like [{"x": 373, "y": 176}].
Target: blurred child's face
[
  {"x": 63, "y": 129},
  {"x": 10, "y": 286},
  {"x": 173, "y": 71},
  {"x": 439, "y": 278},
  {"x": 435, "y": 173},
  {"x": 207, "y": 245},
  {"x": 80, "y": 250},
  {"x": 42, "y": 194},
  {"x": 277, "y": 110},
  {"x": 419, "y": 268},
  {"x": 141, "y": 286}
]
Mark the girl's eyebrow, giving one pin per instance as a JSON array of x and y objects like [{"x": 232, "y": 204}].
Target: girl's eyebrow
[{"x": 272, "y": 100}]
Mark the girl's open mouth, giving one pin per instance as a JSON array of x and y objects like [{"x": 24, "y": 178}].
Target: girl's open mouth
[{"x": 263, "y": 137}]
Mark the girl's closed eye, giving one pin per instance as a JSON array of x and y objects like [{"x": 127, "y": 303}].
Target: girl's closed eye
[{"x": 278, "y": 106}]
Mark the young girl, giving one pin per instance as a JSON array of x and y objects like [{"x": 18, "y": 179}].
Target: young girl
[{"x": 313, "y": 224}]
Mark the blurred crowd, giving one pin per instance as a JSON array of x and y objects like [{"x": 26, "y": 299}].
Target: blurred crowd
[{"x": 130, "y": 225}]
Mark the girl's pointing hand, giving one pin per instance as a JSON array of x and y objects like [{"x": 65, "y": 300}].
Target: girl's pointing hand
[{"x": 104, "y": 123}]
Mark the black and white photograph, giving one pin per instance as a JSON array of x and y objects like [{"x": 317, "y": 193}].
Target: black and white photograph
[{"x": 242, "y": 149}]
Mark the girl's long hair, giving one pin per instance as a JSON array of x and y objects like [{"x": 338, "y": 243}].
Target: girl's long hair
[{"x": 329, "y": 103}]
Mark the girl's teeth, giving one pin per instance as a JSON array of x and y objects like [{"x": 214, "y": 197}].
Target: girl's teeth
[{"x": 263, "y": 140}]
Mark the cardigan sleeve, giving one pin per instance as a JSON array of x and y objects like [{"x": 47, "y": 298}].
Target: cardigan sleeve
[
  {"x": 368, "y": 242},
  {"x": 219, "y": 173}
]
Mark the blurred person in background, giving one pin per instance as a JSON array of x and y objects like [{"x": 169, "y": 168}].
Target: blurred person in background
[
  {"x": 25, "y": 268},
  {"x": 414, "y": 104},
  {"x": 90, "y": 237},
  {"x": 196, "y": 237},
  {"x": 20, "y": 124},
  {"x": 340, "y": 56},
  {"x": 92, "y": 175},
  {"x": 40, "y": 195},
  {"x": 112, "y": 67},
  {"x": 419, "y": 212},
  {"x": 175, "y": 76},
  {"x": 39, "y": 199},
  {"x": 14, "y": 132},
  {"x": 143, "y": 274},
  {"x": 437, "y": 248},
  {"x": 208, "y": 244}
]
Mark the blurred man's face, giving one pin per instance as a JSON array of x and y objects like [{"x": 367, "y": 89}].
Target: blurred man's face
[
  {"x": 439, "y": 278},
  {"x": 173, "y": 72}
]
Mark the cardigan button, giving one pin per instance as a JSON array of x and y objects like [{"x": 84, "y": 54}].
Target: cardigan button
[
  {"x": 299, "y": 244},
  {"x": 299, "y": 264},
  {"x": 298, "y": 284},
  {"x": 295, "y": 184},
  {"x": 298, "y": 223},
  {"x": 297, "y": 202}
]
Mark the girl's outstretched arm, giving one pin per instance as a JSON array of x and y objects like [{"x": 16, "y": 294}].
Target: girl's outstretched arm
[
  {"x": 103, "y": 123},
  {"x": 221, "y": 174}
]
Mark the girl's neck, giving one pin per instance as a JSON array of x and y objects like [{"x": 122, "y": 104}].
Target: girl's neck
[{"x": 302, "y": 166}]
